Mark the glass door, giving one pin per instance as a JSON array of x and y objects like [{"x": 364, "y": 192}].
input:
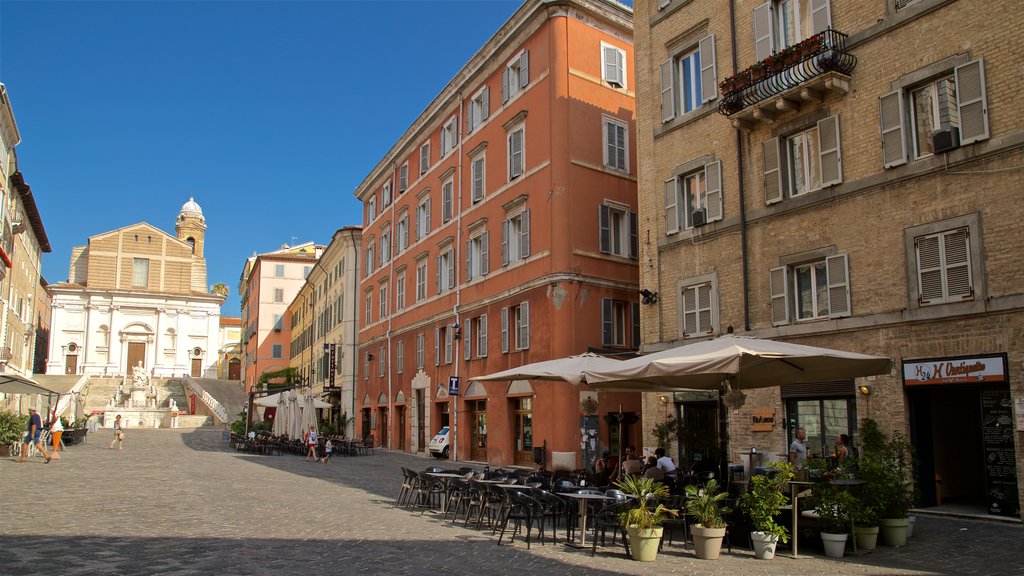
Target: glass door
[{"x": 522, "y": 416}]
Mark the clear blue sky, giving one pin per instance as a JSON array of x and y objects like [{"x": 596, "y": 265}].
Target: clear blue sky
[{"x": 268, "y": 113}]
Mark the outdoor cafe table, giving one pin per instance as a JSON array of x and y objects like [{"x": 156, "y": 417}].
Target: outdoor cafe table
[
  {"x": 445, "y": 477},
  {"x": 583, "y": 503}
]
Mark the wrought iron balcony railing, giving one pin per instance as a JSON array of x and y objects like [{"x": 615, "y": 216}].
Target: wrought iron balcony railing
[{"x": 795, "y": 65}]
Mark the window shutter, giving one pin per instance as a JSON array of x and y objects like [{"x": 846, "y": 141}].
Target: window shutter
[
  {"x": 956, "y": 248},
  {"x": 451, "y": 269},
  {"x": 524, "y": 235},
  {"x": 611, "y": 73},
  {"x": 469, "y": 117},
  {"x": 837, "y": 269},
  {"x": 481, "y": 345},
  {"x": 485, "y": 104},
  {"x": 713, "y": 181},
  {"x": 779, "y": 280},
  {"x": 772, "y": 171},
  {"x": 437, "y": 274},
  {"x": 504, "y": 242},
  {"x": 821, "y": 16},
  {"x": 606, "y": 321},
  {"x": 890, "y": 113},
  {"x": 504, "y": 84},
  {"x": 690, "y": 311},
  {"x": 504, "y": 330},
  {"x": 704, "y": 308},
  {"x": 524, "y": 69},
  {"x": 448, "y": 333},
  {"x": 764, "y": 44},
  {"x": 524, "y": 326},
  {"x": 604, "y": 230},
  {"x": 970, "y": 102},
  {"x": 708, "y": 74},
  {"x": 929, "y": 269},
  {"x": 437, "y": 346},
  {"x": 469, "y": 260},
  {"x": 485, "y": 265},
  {"x": 634, "y": 236},
  {"x": 467, "y": 340},
  {"x": 427, "y": 218},
  {"x": 671, "y": 213},
  {"x": 829, "y": 151},
  {"x": 668, "y": 92}
]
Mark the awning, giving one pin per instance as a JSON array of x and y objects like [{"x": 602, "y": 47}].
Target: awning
[{"x": 15, "y": 384}]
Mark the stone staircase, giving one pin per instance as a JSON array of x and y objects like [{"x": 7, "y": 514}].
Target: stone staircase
[{"x": 100, "y": 390}]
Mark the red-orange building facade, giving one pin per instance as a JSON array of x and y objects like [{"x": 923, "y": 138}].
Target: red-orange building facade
[{"x": 500, "y": 230}]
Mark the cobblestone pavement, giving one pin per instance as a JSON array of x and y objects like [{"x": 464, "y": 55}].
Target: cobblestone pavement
[{"x": 179, "y": 503}]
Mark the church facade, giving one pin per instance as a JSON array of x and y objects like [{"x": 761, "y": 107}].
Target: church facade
[{"x": 138, "y": 294}]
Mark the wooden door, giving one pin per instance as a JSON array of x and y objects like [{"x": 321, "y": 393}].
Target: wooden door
[
  {"x": 136, "y": 354},
  {"x": 478, "y": 430},
  {"x": 235, "y": 369},
  {"x": 421, "y": 420},
  {"x": 71, "y": 363},
  {"x": 400, "y": 413},
  {"x": 197, "y": 367}
]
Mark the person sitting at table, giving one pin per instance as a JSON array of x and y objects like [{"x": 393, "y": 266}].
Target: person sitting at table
[
  {"x": 631, "y": 464},
  {"x": 611, "y": 463},
  {"x": 665, "y": 463},
  {"x": 651, "y": 469}
]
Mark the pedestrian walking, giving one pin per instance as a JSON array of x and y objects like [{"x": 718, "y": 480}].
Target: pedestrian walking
[
  {"x": 118, "y": 434},
  {"x": 56, "y": 431},
  {"x": 311, "y": 441},
  {"x": 34, "y": 436},
  {"x": 328, "y": 451}
]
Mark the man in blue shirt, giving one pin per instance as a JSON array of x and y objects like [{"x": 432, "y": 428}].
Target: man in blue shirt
[{"x": 34, "y": 435}]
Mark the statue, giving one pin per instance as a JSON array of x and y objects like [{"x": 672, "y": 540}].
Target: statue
[
  {"x": 173, "y": 405},
  {"x": 139, "y": 375}
]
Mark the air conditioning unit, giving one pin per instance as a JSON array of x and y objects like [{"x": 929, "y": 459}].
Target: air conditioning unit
[
  {"x": 945, "y": 139},
  {"x": 700, "y": 217}
]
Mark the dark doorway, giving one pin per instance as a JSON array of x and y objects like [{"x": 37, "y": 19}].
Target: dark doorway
[
  {"x": 136, "y": 354},
  {"x": 700, "y": 449},
  {"x": 421, "y": 421},
  {"x": 71, "y": 364},
  {"x": 400, "y": 426},
  {"x": 234, "y": 369}
]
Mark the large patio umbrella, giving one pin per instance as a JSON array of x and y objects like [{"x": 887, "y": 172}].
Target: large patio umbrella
[
  {"x": 280, "y": 415},
  {"x": 737, "y": 362},
  {"x": 569, "y": 369},
  {"x": 273, "y": 399},
  {"x": 308, "y": 407}
]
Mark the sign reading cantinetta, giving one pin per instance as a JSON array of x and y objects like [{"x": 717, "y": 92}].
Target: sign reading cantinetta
[{"x": 954, "y": 371}]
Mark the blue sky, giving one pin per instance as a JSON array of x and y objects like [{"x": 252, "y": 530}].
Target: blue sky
[{"x": 268, "y": 113}]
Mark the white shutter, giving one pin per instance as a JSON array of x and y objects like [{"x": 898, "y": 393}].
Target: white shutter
[
  {"x": 713, "y": 181},
  {"x": 606, "y": 321},
  {"x": 829, "y": 152},
  {"x": 426, "y": 217},
  {"x": 956, "y": 249},
  {"x": 504, "y": 330},
  {"x": 764, "y": 43},
  {"x": 485, "y": 265},
  {"x": 668, "y": 92},
  {"x": 890, "y": 113},
  {"x": 671, "y": 212},
  {"x": 437, "y": 346},
  {"x": 469, "y": 260},
  {"x": 821, "y": 16},
  {"x": 524, "y": 69},
  {"x": 437, "y": 274},
  {"x": 772, "y": 171},
  {"x": 690, "y": 311},
  {"x": 524, "y": 235},
  {"x": 970, "y": 102},
  {"x": 451, "y": 269},
  {"x": 504, "y": 84},
  {"x": 448, "y": 333},
  {"x": 481, "y": 345},
  {"x": 837, "y": 270},
  {"x": 634, "y": 236},
  {"x": 604, "y": 228},
  {"x": 929, "y": 269},
  {"x": 708, "y": 74},
  {"x": 485, "y": 104},
  {"x": 524, "y": 326},
  {"x": 779, "y": 280},
  {"x": 704, "y": 308},
  {"x": 663, "y": 3},
  {"x": 504, "y": 242},
  {"x": 469, "y": 116},
  {"x": 634, "y": 310},
  {"x": 467, "y": 340},
  {"x": 611, "y": 72}
]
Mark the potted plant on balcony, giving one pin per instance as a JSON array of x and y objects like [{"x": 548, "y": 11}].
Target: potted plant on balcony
[
  {"x": 644, "y": 520},
  {"x": 763, "y": 503},
  {"x": 707, "y": 506}
]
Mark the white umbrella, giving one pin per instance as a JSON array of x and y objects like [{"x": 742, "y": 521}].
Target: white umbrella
[
  {"x": 273, "y": 399},
  {"x": 569, "y": 369},
  {"x": 743, "y": 362},
  {"x": 309, "y": 410},
  {"x": 280, "y": 416},
  {"x": 295, "y": 427}
]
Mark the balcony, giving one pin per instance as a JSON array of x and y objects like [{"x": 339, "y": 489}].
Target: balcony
[
  {"x": 804, "y": 72},
  {"x": 5, "y": 355}
]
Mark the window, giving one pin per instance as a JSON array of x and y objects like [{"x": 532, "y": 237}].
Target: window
[
  {"x": 402, "y": 233},
  {"x": 480, "y": 325},
  {"x": 275, "y": 351},
  {"x": 944, "y": 267},
  {"x": 515, "y": 238},
  {"x": 382, "y": 360},
  {"x": 616, "y": 144},
  {"x": 371, "y": 208},
  {"x": 385, "y": 195},
  {"x": 278, "y": 270},
  {"x": 366, "y": 366},
  {"x": 400, "y": 356},
  {"x": 277, "y": 322},
  {"x": 823, "y": 419},
  {"x": 516, "y": 151},
  {"x": 478, "y": 109},
  {"x": 782, "y": 23},
  {"x": 812, "y": 290},
  {"x": 443, "y": 338},
  {"x": 449, "y": 136},
  {"x": 400, "y": 291},
  {"x": 424, "y": 158},
  {"x": 403, "y": 177},
  {"x": 447, "y": 200},
  {"x": 801, "y": 162},
  {"x": 617, "y": 322},
  {"x": 522, "y": 435},
  {"x": 444, "y": 275},
  {"x": 383, "y": 312},
  {"x": 618, "y": 231},
  {"x": 369, "y": 308},
  {"x": 516, "y": 319},
  {"x": 477, "y": 177},
  {"x": 306, "y": 270},
  {"x": 613, "y": 65},
  {"x": 697, "y": 309},
  {"x": 477, "y": 255},
  {"x": 515, "y": 76},
  {"x": 421, "y": 280},
  {"x": 385, "y": 245},
  {"x": 689, "y": 79},
  {"x": 370, "y": 256},
  {"x": 278, "y": 295},
  {"x": 419, "y": 351},
  {"x": 140, "y": 272},
  {"x": 694, "y": 197},
  {"x": 911, "y": 115},
  {"x": 423, "y": 218}
]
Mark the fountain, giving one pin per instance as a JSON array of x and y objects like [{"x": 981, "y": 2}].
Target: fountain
[{"x": 138, "y": 403}]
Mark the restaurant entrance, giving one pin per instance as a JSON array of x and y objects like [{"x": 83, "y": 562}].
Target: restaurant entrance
[{"x": 699, "y": 416}]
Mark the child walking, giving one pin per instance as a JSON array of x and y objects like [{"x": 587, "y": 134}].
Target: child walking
[
  {"x": 118, "y": 434},
  {"x": 328, "y": 451}
]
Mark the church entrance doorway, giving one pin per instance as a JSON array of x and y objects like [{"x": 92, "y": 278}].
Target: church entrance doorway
[
  {"x": 197, "y": 367},
  {"x": 136, "y": 354}
]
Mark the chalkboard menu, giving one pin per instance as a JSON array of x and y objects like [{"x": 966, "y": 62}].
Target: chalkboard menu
[{"x": 1000, "y": 461}]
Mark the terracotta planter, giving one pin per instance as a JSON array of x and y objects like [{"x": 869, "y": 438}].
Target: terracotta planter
[
  {"x": 5, "y": 451},
  {"x": 835, "y": 544},
  {"x": 893, "y": 531},
  {"x": 644, "y": 543},
  {"x": 707, "y": 542},
  {"x": 866, "y": 536},
  {"x": 764, "y": 545}
]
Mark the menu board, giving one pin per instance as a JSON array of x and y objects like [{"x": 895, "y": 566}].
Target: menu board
[{"x": 997, "y": 432}]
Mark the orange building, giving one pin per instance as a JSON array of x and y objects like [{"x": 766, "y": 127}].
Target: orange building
[{"x": 501, "y": 230}]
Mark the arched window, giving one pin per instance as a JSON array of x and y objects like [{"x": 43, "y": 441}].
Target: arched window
[
  {"x": 169, "y": 339},
  {"x": 103, "y": 333},
  {"x": 191, "y": 243}
]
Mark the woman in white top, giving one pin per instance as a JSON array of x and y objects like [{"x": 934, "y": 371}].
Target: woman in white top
[{"x": 56, "y": 431}]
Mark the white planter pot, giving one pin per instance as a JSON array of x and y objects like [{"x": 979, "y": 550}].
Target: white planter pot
[
  {"x": 764, "y": 545},
  {"x": 835, "y": 544},
  {"x": 643, "y": 544},
  {"x": 910, "y": 526}
]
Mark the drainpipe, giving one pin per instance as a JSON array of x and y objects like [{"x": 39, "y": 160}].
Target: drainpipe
[
  {"x": 740, "y": 189},
  {"x": 355, "y": 330},
  {"x": 454, "y": 435},
  {"x": 391, "y": 274}
]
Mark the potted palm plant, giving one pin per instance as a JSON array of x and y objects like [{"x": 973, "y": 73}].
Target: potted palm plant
[
  {"x": 644, "y": 520},
  {"x": 12, "y": 430},
  {"x": 763, "y": 503},
  {"x": 707, "y": 506}
]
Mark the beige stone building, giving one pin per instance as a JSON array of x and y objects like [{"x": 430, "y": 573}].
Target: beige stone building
[
  {"x": 845, "y": 174},
  {"x": 229, "y": 361}
]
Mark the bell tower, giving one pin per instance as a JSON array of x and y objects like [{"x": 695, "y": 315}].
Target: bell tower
[{"x": 190, "y": 228}]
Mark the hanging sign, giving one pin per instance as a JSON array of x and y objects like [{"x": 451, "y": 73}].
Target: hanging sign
[
  {"x": 453, "y": 385},
  {"x": 763, "y": 420}
]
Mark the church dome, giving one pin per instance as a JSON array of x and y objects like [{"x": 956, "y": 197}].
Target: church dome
[{"x": 191, "y": 208}]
